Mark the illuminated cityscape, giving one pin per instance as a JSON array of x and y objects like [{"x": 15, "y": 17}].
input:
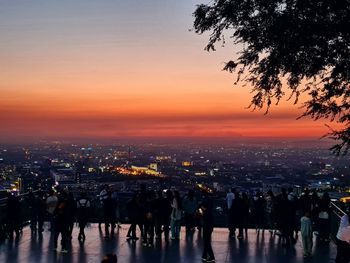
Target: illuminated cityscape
[{"x": 120, "y": 137}]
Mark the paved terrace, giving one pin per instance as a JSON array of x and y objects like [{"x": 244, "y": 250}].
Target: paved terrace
[{"x": 254, "y": 249}]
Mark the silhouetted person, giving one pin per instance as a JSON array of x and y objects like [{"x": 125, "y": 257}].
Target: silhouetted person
[
  {"x": 324, "y": 218},
  {"x": 176, "y": 216},
  {"x": 167, "y": 213},
  {"x": 158, "y": 214},
  {"x": 115, "y": 198},
  {"x": 305, "y": 202},
  {"x": 293, "y": 203},
  {"x": 238, "y": 207},
  {"x": 190, "y": 207},
  {"x": 51, "y": 204},
  {"x": 149, "y": 219},
  {"x": 315, "y": 207},
  {"x": 61, "y": 216},
  {"x": 13, "y": 215},
  {"x": 32, "y": 206},
  {"x": 142, "y": 204},
  {"x": 258, "y": 211},
  {"x": 245, "y": 212},
  {"x": 287, "y": 219},
  {"x": 72, "y": 207},
  {"x": 37, "y": 208},
  {"x": 133, "y": 214},
  {"x": 208, "y": 226},
  {"x": 109, "y": 215},
  {"x": 83, "y": 206},
  {"x": 102, "y": 197},
  {"x": 229, "y": 199},
  {"x": 269, "y": 210},
  {"x": 41, "y": 211}
]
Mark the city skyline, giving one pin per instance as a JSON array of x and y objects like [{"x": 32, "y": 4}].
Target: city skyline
[{"x": 116, "y": 69}]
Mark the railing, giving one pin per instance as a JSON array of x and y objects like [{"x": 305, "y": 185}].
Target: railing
[
  {"x": 24, "y": 213},
  {"x": 96, "y": 212},
  {"x": 337, "y": 212}
]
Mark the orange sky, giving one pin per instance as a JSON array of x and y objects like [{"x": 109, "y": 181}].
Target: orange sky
[{"x": 93, "y": 71}]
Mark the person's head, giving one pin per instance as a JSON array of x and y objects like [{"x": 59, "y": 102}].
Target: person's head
[
  {"x": 83, "y": 195},
  {"x": 307, "y": 213},
  {"x": 290, "y": 190},
  {"x": 190, "y": 193}
]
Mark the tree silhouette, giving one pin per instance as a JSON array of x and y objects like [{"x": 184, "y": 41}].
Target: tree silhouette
[{"x": 305, "y": 43}]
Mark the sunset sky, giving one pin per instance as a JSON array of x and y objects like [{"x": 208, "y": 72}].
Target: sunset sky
[{"x": 112, "y": 68}]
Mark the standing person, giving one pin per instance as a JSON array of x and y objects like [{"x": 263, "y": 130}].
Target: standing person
[
  {"x": 305, "y": 202},
  {"x": 229, "y": 199},
  {"x": 41, "y": 206},
  {"x": 13, "y": 215},
  {"x": 323, "y": 218},
  {"x": 176, "y": 216},
  {"x": 208, "y": 226},
  {"x": 51, "y": 204},
  {"x": 115, "y": 198},
  {"x": 258, "y": 211},
  {"x": 287, "y": 218},
  {"x": 269, "y": 210},
  {"x": 343, "y": 239},
  {"x": 158, "y": 214},
  {"x": 61, "y": 215},
  {"x": 83, "y": 205},
  {"x": 315, "y": 207},
  {"x": 102, "y": 196},
  {"x": 37, "y": 211},
  {"x": 306, "y": 233},
  {"x": 33, "y": 209},
  {"x": 142, "y": 209},
  {"x": 190, "y": 207},
  {"x": 133, "y": 214},
  {"x": 167, "y": 213},
  {"x": 72, "y": 207},
  {"x": 238, "y": 208},
  {"x": 293, "y": 203},
  {"x": 245, "y": 212},
  {"x": 109, "y": 215},
  {"x": 149, "y": 220}
]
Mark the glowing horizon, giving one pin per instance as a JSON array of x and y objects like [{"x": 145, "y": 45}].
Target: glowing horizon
[{"x": 123, "y": 68}]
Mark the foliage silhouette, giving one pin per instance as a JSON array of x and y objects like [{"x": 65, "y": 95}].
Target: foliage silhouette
[{"x": 305, "y": 43}]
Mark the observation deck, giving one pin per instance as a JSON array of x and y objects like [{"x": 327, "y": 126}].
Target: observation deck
[{"x": 255, "y": 248}]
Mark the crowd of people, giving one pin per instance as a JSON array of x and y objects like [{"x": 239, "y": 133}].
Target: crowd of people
[
  {"x": 160, "y": 214},
  {"x": 284, "y": 214}
]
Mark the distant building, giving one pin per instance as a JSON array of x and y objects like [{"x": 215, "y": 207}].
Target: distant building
[{"x": 187, "y": 163}]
